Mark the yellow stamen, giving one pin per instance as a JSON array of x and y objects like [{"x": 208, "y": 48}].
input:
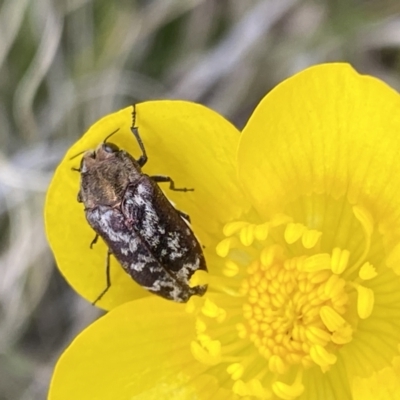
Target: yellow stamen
[
  {"x": 246, "y": 235},
  {"x": 310, "y": 238},
  {"x": 317, "y": 262},
  {"x": 199, "y": 278},
  {"x": 261, "y": 231},
  {"x": 334, "y": 286},
  {"x": 269, "y": 254},
  {"x": 289, "y": 392},
  {"x": 211, "y": 310},
  {"x": 322, "y": 357},
  {"x": 235, "y": 371},
  {"x": 207, "y": 353},
  {"x": 318, "y": 335},
  {"x": 251, "y": 388},
  {"x": 291, "y": 304},
  {"x": 343, "y": 335},
  {"x": 276, "y": 365},
  {"x": 225, "y": 245},
  {"x": 339, "y": 260},
  {"x": 365, "y": 301},
  {"x": 231, "y": 269},
  {"x": 367, "y": 272},
  {"x": 293, "y": 232},
  {"x": 332, "y": 320},
  {"x": 241, "y": 330},
  {"x": 233, "y": 227}
]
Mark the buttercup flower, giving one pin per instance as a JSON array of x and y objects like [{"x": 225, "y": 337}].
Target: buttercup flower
[{"x": 300, "y": 219}]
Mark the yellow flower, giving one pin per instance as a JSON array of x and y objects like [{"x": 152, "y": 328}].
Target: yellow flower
[{"x": 300, "y": 219}]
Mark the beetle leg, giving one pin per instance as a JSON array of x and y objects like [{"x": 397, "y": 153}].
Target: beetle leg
[
  {"x": 108, "y": 278},
  {"x": 163, "y": 178},
  {"x": 94, "y": 241}
]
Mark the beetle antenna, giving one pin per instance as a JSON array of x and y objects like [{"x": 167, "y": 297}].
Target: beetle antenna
[
  {"x": 76, "y": 155},
  {"x": 104, "y": 141},
  {"x": 108, "y": 137}
]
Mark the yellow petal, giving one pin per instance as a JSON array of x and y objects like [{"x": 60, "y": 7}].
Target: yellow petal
[
  {"x": 123, "y": 356},
  {"x": 365, "y": 301},
  {"x": 190, "y": 143},
  {"x": 381, "y": 385},
  {"x": 337, "y": 133}
]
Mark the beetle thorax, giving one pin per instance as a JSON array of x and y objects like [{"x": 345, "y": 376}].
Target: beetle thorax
[{"x": 105, "y": 176}]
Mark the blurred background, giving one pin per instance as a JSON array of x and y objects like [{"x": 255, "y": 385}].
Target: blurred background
[{"x": 65, "y": 63}]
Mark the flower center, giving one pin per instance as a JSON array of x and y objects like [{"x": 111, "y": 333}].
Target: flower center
[{"x": 282, "y": 293}]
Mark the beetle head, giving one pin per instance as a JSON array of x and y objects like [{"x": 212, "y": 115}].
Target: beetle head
[{"x": 105, "y": 174}]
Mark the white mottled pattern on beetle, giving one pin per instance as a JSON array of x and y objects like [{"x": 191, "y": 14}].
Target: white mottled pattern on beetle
[{"x": 148, "y": 244}]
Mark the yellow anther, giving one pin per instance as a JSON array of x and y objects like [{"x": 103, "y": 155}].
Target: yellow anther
[
  {"x": 233, "y": 227},
  {"x": 261, "y": 231},
  {"x": 244, "y": 287},
  {"x": 211, "y": 310},
  {"x": 290, "y": 264},
  {"x": 340, "y": 300},
  {"x": 317, "y": 262},
  {"x": 235, "y": 371},
  {"x": 241, "y": 330},
  {"x": 257, "y": 390},
  {"x": 253, "y": 267},
  {"x": 331, "y": 319},
  {"x": 240, "y": 388},
  {"x": 231, "y": 269},
  {"x": 247, "y": 311},
  {"x": 267, "y": 255},
  {"x": 310, "y": 238},
  {"x": 293, "y": 232},
  {"x": 339, "y": 260},
  {"x": 214, "y": 348},
  {"x": 334, "y": 286},
  {"x": 265, "y": 352},
  {"x": 252, "y": 296},
  {"x": 201, "y": 326},
  {"x": 203, "y": 338},
  {"x": 306, "y": 362},
  {"x": 288, "y": 392},
  {"x": 343, "y": 335},
  {"x": 319, "y": 276},
  {"x": 322, "y": 357},
  {"x": 199, "y": 278},
  {"x": 246, "y": 235},
  {"x": 367, "y": 271},
  {"x": 365, "y": 301},
  {"x": 208, "y": 356},
  {"x": 317, "y": 335},
  {"x": 224, "y": 246},
  {"x": 276, "y": 364},
  {"x": 193, "y": 304}
]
